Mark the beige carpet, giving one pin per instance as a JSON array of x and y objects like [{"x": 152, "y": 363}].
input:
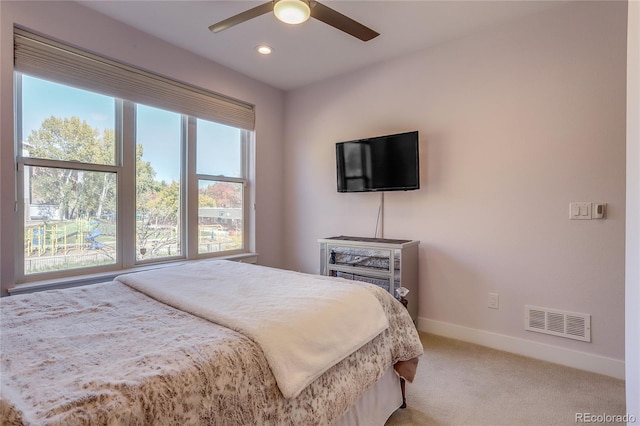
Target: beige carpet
[{"x": 464, "y": 384}]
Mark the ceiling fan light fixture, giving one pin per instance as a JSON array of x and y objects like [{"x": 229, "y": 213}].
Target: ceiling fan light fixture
[{"x": 292, "y": 11}]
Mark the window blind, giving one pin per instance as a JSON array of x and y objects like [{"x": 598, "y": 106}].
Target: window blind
[{"x": 41, "y": 57}]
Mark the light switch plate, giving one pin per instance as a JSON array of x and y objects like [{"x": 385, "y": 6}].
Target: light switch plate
[{"x": 580, "y": 211}]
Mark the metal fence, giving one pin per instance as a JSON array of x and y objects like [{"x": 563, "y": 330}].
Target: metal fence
[{"x": 54, "y": 263}]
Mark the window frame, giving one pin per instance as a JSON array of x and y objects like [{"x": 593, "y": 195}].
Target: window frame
[{"x": 124, "y": 169}]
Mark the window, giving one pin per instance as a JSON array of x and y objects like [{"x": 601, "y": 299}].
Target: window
[
  {"x": 220, "y": 187},
  {"x": 158, "y": 166},
  {"x": 69, "y": 177},
  {"x": 107, "y": 182}
]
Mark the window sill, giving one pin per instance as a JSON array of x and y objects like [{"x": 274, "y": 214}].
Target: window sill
[{"x": 81, "y": 280}]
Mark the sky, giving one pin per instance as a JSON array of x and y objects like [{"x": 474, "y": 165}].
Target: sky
[{"x": 158, "y": 131}]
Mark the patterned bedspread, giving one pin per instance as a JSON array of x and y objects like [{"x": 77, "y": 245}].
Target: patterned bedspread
[
  {"x": 107, "y": 354},
  {"x": 303, "y": 323}
]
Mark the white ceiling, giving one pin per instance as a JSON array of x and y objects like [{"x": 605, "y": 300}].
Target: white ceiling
[{"x": 311, "y": 51}]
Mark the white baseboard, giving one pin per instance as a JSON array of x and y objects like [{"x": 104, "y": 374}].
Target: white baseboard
[{"x": 581, "y": 360}]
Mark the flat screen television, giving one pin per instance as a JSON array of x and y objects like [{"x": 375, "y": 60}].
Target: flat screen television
[{"x": 383, "y": 163}]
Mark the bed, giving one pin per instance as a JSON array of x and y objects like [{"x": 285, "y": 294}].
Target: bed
[{"x": 206, "y": 343}]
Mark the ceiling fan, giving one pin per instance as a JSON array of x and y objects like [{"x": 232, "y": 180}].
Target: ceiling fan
[{"x": 298, "y": 11}]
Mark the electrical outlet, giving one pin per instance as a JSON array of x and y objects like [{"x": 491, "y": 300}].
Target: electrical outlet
[{"x": 493, "y": 301}]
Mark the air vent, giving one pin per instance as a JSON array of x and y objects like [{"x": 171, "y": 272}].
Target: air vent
[{"x": 558, "y": 323}]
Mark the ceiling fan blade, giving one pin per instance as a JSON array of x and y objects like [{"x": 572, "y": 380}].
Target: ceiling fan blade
[
  {"x": 242, "y": 17},
  {"x": 338, "y": 20}
]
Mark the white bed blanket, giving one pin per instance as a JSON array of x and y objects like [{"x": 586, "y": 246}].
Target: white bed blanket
[{"x": 304, "y": 324}]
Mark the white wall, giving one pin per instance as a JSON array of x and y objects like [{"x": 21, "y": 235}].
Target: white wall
[
  {"x": 85, "y": 28},
  {"x": 515, "y": 123},
  {"x": 632, "y": 297}
]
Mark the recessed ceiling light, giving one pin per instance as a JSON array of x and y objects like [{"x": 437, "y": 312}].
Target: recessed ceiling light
[{"x": 264, "y": 49}]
